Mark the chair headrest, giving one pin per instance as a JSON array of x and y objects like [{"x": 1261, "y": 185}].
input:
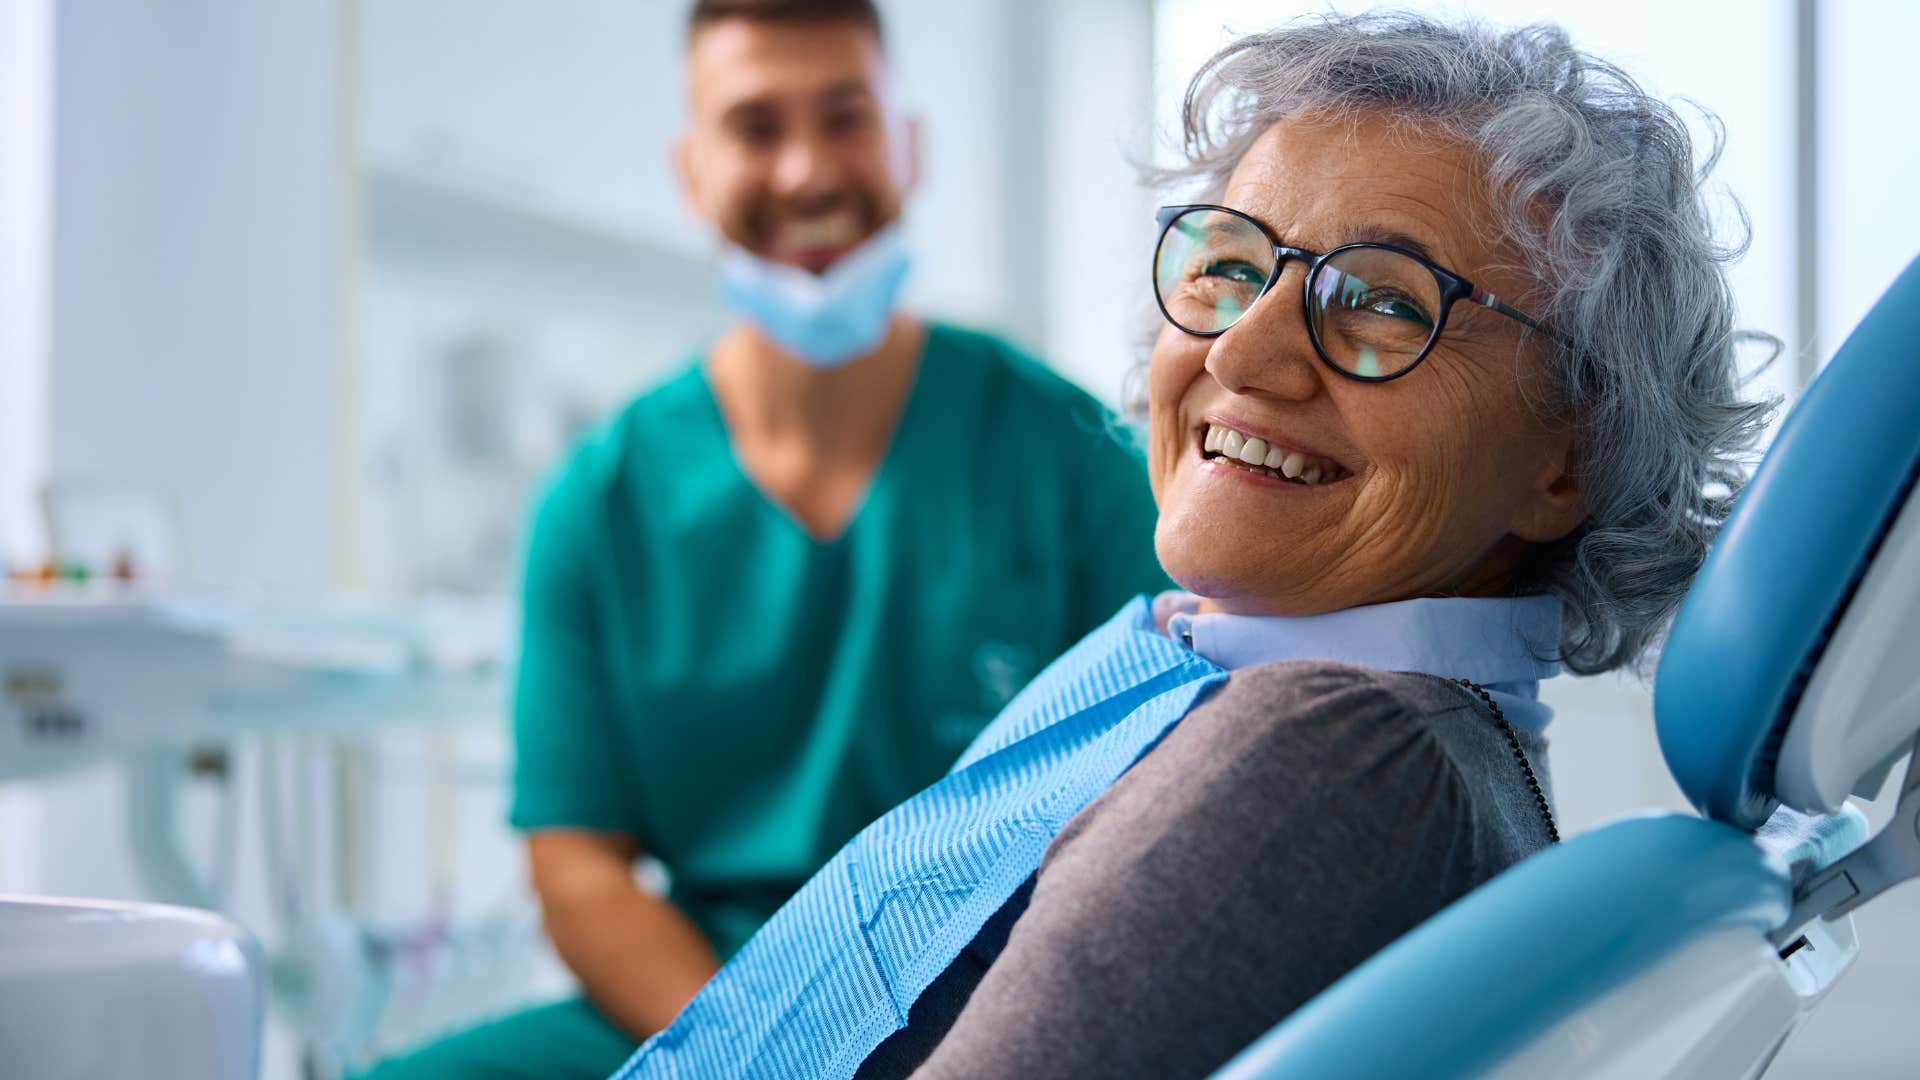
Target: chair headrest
[{"x": 1798, "y": 638}]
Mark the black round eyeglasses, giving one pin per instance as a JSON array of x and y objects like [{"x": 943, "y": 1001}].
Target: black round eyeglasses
[{"x": 1374, "y": 310}]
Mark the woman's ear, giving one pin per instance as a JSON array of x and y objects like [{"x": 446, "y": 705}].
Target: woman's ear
[{"x": 1556, "y": 505}]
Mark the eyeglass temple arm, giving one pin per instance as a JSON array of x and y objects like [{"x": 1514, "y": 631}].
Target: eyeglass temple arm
[{"x": 1486, "y": 299}]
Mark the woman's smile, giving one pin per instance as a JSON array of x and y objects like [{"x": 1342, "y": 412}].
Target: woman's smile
[{"x": 1228, "y": 449}]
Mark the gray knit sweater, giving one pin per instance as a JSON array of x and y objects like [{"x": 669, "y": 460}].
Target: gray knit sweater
[{"x": 1288, "y": 828}]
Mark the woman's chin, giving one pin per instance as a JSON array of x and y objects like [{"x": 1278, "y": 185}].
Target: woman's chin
[
  {"x": 1231, "y": 576},
  {"x": 1222, "y": 587}
]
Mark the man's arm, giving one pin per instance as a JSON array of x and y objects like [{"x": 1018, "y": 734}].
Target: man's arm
[{"x": 639, "y": 959}]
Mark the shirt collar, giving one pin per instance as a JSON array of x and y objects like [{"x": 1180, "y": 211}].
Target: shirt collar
[{"x": 1503, "y": 643}]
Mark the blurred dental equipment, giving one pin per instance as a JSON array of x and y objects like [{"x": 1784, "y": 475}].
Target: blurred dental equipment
[
  {"x": 170, "y": 683},
  {"x": 91, "y": 670}
]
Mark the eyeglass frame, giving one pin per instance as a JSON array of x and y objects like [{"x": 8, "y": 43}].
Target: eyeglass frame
[{"x": 1453, "y": 288}]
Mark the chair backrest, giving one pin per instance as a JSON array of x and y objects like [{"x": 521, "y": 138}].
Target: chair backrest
[{"x": 1784, "y": 675}]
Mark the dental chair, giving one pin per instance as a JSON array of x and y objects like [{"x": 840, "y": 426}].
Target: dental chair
[{"x": 1677, "y": 946}]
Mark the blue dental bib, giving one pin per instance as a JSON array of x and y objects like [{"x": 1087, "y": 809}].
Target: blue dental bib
[{"x": 837, "y": 969}]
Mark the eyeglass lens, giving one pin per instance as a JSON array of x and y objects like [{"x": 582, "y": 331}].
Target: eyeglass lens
[{"x": 1371, "y": 310}]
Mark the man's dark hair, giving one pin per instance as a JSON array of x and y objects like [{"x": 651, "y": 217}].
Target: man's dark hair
[{"x": 707, "y": 12}]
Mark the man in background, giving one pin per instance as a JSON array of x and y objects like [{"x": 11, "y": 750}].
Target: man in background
[{"x": 779, "y": 593}]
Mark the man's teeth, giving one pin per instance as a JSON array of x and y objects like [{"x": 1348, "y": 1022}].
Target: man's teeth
[
  {"x": 825, "y": 232},
  {"x": 1255, "y": 455}
]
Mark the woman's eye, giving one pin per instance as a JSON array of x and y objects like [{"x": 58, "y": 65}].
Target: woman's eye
[
  {"x": 1234, "y": 270},
  {"x": 1395, "y": 306}
]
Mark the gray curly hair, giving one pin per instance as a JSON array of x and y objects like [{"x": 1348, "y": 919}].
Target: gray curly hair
[{"x": 1625, "y": 259}]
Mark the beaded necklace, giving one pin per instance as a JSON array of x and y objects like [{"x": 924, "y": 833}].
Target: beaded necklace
[{"x": 1513, "y": 740}]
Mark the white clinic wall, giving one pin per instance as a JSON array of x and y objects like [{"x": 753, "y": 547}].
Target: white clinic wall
[
  {"x": 170, "y": 249},
  {"x": 26, "y": 201},
  {"x": 197, "y": 240},
  {"x": 26, "y": 195},
  {"x": 1096, "y": 312},
  {"x": 1868, "y": 158},
  {"x": 1029, "y": 219}
]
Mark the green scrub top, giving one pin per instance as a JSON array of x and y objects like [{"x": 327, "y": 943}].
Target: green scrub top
[{"x": 699, "y": 672}]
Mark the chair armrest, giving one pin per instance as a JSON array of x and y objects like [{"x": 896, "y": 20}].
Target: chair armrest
[{"x": 1479, "y": 980}]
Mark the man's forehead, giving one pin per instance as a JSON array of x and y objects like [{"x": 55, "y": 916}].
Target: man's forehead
[{"x": 739, "y": 60}]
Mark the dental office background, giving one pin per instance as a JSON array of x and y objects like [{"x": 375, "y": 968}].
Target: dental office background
[{"x": 298, "y": 301}]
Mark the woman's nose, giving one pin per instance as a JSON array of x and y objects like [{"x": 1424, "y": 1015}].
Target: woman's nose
[{"x": 1268, "y": 353}]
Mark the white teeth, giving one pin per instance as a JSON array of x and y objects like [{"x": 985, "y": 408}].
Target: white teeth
[
  {"x": 1256, "y": 453},
  {"x": 831, "y": 231}
]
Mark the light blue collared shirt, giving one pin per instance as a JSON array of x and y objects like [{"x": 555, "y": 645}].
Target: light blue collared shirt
[{"x": 1505, "y": 645}]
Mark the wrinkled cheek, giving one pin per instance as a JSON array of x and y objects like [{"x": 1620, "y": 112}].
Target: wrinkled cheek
[
  {"x": 1170, "y": 375},
  {"x": 1396, "y": 509},
  {"x": 1163, "y": 452},
  {"x": 1176, "y": 361}
]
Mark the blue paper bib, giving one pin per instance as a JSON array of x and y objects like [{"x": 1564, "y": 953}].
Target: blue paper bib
[{"x": 838, "y": 967}]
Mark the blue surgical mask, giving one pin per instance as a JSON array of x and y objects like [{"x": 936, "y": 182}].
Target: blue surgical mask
[{"x": 824, "y": 319}]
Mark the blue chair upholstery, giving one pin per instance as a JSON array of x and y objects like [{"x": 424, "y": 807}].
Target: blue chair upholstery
[
  {"x": 1470, "y": 987},
  {"x": 1757, "y": 618}
]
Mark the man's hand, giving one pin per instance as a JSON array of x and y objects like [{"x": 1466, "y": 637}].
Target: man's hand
[{"x": 639, "y": 959}]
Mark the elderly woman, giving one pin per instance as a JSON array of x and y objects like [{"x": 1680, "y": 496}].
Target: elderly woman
[{"x": 1445, "y": 398}]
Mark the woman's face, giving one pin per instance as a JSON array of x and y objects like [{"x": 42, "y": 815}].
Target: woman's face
[{"x": 1430, "y": 484}]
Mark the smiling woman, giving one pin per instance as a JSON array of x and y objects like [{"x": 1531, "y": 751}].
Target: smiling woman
[
  {"x": 1579, "y": 198},
  {"x": 1448, "y": 474},
  {"x": 1396, "y": 501}
]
